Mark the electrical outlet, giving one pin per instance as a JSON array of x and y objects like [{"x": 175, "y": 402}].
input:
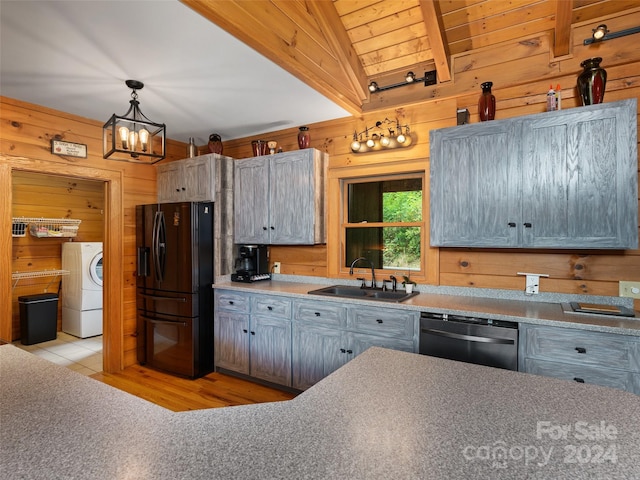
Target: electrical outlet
[
  {"x": 276, "y": 267},
  {"x": 630, "y": 289}
]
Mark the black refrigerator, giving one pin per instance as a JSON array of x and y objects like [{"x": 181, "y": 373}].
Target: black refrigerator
[{"x": 174, "y": 297}]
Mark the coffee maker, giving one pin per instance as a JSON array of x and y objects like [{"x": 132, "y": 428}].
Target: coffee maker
[{"x": 252, "y": 264}]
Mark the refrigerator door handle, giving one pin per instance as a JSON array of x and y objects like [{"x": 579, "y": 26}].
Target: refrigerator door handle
[
  {"x": 158, "y": 245},
  {"x": 143, "y": 261},
  {"x": 156, "y": 297}
]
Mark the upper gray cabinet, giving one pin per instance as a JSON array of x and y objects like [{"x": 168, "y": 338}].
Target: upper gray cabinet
[
  {"x": 566, "y": 179},
  {"x": 189, "y": 180},
  {"x": 279, "y": 199}
]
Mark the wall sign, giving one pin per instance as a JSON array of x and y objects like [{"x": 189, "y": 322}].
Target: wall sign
[{"x": 68, "y": 148}]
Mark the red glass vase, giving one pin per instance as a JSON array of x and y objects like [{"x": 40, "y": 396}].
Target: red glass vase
[
  {"x": 487, "y": 103},
  {"x": 304, "y": 139},
  {"x": 592, "y": 81}
]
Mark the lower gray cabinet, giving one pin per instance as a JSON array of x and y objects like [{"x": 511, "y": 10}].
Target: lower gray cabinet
[
  {"x": 253, "y": 335},
  {"x": 326, "y": 335},
  {"x": 606, "y": 359}
]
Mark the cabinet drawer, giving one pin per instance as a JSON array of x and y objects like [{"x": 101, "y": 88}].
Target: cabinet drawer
[
  {"x": 275, "y": 306},
  {"x": 583, "y": 348},
  {"x": 232, "y": 302},
  {"x": 390, "y": 323},
  {"x": 320, "y": 313},
  {"x": 583, "y": 374}
]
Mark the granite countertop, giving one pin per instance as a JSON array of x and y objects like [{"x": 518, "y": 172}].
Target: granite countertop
[
  {"x": 532, "y": 312},
  {"x": 384, "y": 415}
]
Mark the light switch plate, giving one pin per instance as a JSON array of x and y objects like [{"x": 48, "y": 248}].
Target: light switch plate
[
  {"x": 630, "y": 289},
  {"x": 276, "y": 267}
]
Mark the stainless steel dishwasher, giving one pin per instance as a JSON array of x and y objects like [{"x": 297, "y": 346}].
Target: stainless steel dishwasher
[{"x": 483, "y": 341}]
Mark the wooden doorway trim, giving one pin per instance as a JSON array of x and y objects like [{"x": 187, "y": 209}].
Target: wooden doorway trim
[{"x": 113, "y": 354}]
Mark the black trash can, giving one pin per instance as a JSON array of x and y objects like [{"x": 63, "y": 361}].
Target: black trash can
[{"x": 38, "y": 318}]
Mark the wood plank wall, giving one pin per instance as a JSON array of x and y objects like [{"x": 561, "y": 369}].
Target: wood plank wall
[
  {"x": 65, "y": 198},
  {"x": 521, "y": 72}
]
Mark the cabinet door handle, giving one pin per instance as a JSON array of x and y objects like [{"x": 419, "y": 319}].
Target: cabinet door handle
[
  {"x": 317, "y": 314},
  {"x": 264, "y": 228},
  {"x": 253, "y": 333},
  {"x": 527, "y": 225},
  {"x": 578, "y": 379},
  {"x": 269, "y": 308},
  {"x": 349, "y": 351},
  {"x": 245, "y": 330},
  {"x": 342, "y": 350},
  {"x": 230, "y": 302},
  {"x": 512, "y": 224},
  {"x": 272, "y": 228},
  {"x": 379, "y": 321},
  {"x": 581, "y": 350}
]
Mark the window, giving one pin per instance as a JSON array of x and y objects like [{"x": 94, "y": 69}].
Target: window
[{"x": 384, "y": 221}]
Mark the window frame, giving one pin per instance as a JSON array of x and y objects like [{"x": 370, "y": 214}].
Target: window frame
[{"x": 336, "y": 215}]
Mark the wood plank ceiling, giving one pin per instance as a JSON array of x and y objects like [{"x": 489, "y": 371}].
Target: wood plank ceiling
[{"x": 339, "y": 47}]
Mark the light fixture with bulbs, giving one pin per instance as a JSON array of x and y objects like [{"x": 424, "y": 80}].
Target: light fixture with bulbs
[
  {"x": 132, "y": 136},
  {"x": 385, "y": 135},
  {"x": 602, "y": 33},
  {"x": 409, "y": 79}
]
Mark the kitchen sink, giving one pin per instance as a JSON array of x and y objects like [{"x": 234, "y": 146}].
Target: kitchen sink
[{"x": 348, "y": 291}]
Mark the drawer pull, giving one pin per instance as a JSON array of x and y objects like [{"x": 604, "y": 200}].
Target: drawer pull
[
  {"x": 230, "y": 302},
  {"x": 578, "y": 379},
  {"x": 581, "y": 350},
  {"x": 342, "y": 350},
  {"x": 527, "y": 225},
  {"x": 349, "y": 351},
  {"x": 253, "y": 333},
  {"x": 269, "y": 308},
  {"x": 512, "y": 224},
  {"x": 245, "y": 330},
  {"x": 379, "y": 320},
  {"x": 317, "y": 314}
]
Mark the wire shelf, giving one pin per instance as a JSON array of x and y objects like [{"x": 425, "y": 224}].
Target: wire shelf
[
  {"x": 17, "y": 276},
  {"x": 45, "y": 227}
]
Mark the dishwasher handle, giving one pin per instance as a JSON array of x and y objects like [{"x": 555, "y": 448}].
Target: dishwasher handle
[{"x": 468, "y": 338}]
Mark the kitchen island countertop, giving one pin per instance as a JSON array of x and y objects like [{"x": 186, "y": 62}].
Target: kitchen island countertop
[
  {"x": 384, "y": 415},
  {"x": 532, "y": 312}
]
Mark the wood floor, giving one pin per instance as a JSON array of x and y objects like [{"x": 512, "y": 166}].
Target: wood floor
[{"x": 180, "y": 394}]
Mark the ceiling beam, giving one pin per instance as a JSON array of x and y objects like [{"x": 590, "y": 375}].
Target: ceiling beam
[
  {"x": 562, "y": 28},
  {"x": 333, "y": 28},
  {"x": 435, "y": 32},
  {"x": 264, "y": 27}
]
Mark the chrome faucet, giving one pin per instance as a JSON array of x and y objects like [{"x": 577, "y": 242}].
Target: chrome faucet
[{"x": 373, "y": 272}]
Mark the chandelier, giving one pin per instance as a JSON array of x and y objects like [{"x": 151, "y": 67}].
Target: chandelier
[{"x": 132, "y": 136}]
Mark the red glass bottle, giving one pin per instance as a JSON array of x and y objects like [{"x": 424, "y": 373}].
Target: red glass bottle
[{"x": 487, "y": 103}]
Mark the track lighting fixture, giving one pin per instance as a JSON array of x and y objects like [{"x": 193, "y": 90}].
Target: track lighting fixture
[
  {"x": 428, "y": 79},
  {"x": 385, "y": 135},
  {"x": 602, "y": 33}
]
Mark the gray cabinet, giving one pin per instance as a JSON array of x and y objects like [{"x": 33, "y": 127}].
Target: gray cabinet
[
  {"x": 565, "y": 179},
  {"x": 253, "y": 335},
  {"x": 189, "y": 180},
  {"x": 279, "y": 199},
  {"x": 326, "y": 335},
  {"x": 606, "y": 359}
]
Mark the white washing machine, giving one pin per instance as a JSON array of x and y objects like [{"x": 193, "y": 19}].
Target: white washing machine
[{"x": 82, "y": 289}]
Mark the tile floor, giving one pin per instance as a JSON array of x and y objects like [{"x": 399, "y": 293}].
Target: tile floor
[{"x": 84, "y": 355}]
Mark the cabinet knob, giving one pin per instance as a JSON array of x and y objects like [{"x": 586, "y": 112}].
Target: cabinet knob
[
  {"x": 342, "y": 350},
  {"x": 230, "y": 302},
  {"x": 245, "y": 330},
  {"x": 527, "y": 225},
  {"x": 264, "y": 228},
  {"x": 253, "y": 333},
  {"x": 269, "y": 308},
  {"x": 379, "y": 320},
  {"x": 317, "y": 314},
  {"x": 272, "y": 228},
  {"x": 512, "y": 224},
  {"x": 349, "y": 351},
  {"x": 581, "y": 350},
  {"x": 578, "y": 379}
]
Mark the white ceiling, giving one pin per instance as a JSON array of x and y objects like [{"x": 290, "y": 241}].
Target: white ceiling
[{"x": 75, "y": 56}]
